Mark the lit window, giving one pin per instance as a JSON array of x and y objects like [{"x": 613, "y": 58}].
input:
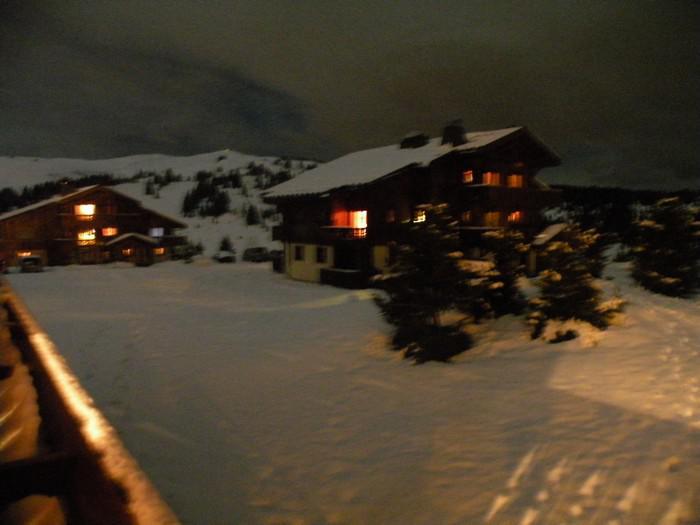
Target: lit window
[
  {"x": 321, "y": 254},
  {"x": 127, "y": 252},
  {"x": 419, "y": 216},
  {"x": 468, "y": 176},
  {"x": 516, "y": 181},
  {"x": 86, "y": 237},
  {"x": 298, "y": 253},
  {"x": 84, "y": 211},
  {"x": 516, "y": 216},
  {"x": 492, "y": 218},
  {"x": 156, "y": 232},
  {"x": 358, "y": 219},
  {"x": 24, "y": 254},
  {"x": 492, "y": 178},
  {"x": 109, "y": 232},
  {"x": 467, "y": 216},
  {"x": 159, "y": 251}
]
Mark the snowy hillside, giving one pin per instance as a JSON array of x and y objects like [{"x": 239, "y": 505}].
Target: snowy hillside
[
  {"x": 250, "y": 398},
  {"x": 18, "y": 172}
]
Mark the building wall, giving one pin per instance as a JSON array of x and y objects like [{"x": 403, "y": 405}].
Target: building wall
[
  {"x": 53, "y": 229},
  {"x": 380, "y": 258},
  {"x": 308, "y": 269}
]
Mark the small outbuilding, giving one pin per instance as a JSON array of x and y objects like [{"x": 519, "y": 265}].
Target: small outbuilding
[{"x": 135, "y": 248}]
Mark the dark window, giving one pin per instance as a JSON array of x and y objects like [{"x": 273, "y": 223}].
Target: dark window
[
  {"x": 321, "y": 254},
  {"x": 391, "y": 215},
  {"x": 298, "y": 253}
]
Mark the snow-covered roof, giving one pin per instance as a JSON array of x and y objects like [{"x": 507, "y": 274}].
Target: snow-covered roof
[
  {"x": 363, "y": 167},
  {"x": 60, "y": 198},
  {"x": 50, "y": 200},
  {"x": 139, "y": 236}
]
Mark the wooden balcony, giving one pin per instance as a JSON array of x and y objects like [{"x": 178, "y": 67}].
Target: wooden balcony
[
  {"x": 313, "y": 234},
  {"x": 504, "y": 197}
]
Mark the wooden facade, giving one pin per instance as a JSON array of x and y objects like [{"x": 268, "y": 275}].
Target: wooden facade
[
  {"x": 489, "y": 187},
  {"x": 77, "y": 227}
]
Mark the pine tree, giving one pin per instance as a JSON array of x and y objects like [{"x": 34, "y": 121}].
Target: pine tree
[
  {"x": 507, "y": 248},
  {"x": 567, "y": 288},
  {"x": 225, "y": 245},
  {"x": 427, "y": 281},
  {"x": 252, "y": 216},
  {"x": 666, "y": 250}
]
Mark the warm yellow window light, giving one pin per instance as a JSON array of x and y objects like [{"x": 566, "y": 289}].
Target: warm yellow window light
[
  {"x": 516, "y": 181},
  {"x": 85, "y": 210},
  {"x": 110, "y": 231},
  {"x": 23, "y": 254},
  {"x": 492, "y": 178},
  {"x": 358, "y": 219},
  {"x": 515, "y": 216},
  {"x": 159, "y": 251},
  {"x": 86, "y": 237},
  {"x": 468, "y": 176},
  {"x": 419, "y": 216}
]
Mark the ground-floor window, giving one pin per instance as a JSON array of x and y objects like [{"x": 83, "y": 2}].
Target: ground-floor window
[
  {"x": 321, "y": 254},
  {"x": 298, "y": 253}
]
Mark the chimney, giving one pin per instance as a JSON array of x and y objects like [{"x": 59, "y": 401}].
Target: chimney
[{"x": 454, "y": 133}]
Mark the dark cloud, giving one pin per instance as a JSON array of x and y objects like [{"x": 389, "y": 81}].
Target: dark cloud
[{"x": 611, "y": 85}]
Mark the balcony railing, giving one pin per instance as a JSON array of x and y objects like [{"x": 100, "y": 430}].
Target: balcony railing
[{"x": 343, "y": 232}]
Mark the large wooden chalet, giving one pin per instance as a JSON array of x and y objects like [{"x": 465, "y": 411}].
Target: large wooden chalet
[
  {"x": 86, "y": 226},
  {"x": 341, "y": 219}
]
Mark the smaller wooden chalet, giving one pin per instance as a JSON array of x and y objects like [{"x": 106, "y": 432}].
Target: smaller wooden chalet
[
  {"x": 342, "y": 219},
  {"x": 91, "y": 225}
]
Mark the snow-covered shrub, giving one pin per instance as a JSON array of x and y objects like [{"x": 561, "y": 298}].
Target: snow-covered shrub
[
  {"x": 567, "y": 288},
  {"x": 666, "y": 249},
  {"x": 426, "y": 284}
]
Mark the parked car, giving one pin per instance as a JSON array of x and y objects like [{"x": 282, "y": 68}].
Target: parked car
[
  {"x": 256, "y": 254},
  {"x": 31, "y": 263},
  {"x": 225, "y": 257}
]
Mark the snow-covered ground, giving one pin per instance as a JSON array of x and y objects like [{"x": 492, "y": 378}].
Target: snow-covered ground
[{"x": 250, "y": 398}]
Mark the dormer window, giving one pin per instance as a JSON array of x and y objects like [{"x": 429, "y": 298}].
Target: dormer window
[
  {"x": 84, "y": 212},
  {"x": 491, "y": 178},
  {"x": 516, "y": 181},
  {"x": 468, "y": 176}
]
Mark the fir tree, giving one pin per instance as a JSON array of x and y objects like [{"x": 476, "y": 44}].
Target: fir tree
[
  {"x": 225, "y": 245},
  {"x": 426, "y": 282},
  {"x": 666, "y": 250},
  {"x": 252, "y": 216},
  {"x": 567, "y": 288},
  {"x": 507, "y": 248}
]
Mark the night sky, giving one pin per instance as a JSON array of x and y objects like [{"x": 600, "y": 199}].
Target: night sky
[{"x": 612, "y": 86}]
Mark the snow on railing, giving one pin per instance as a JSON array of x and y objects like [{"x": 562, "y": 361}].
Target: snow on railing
[{"x": 99, "y": 481}]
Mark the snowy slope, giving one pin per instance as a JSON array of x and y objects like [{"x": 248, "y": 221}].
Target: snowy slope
[
  {"x": 17, "y": 172},
  {"x": 250, "y": 398}
]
